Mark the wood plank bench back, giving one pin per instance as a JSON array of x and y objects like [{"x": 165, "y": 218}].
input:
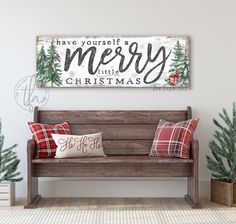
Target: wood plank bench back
[{"x": 123, "y": 132}]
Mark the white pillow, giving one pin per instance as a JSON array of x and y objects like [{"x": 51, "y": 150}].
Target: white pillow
[{"x": 69, "y": 146}]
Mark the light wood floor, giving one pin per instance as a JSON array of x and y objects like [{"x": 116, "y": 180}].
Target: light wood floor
[{"x": 118, "y": 203}]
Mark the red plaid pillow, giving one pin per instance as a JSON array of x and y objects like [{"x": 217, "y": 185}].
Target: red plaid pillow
[
  {"x": 173, "y": 139},
  {"x": 42, "y": 135}
]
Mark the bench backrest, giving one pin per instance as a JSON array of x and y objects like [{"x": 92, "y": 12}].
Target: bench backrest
[{"x": 124, "y": 132}]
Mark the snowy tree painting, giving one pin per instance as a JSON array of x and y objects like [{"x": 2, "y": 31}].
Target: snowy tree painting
[
  {"x": 179, "y": 67},
  {"x": 48, "y": 67},
  {"x": 41, "y": 67}
]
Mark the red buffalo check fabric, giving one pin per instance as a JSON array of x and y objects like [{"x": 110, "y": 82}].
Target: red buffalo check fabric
[
  {"x": 42, "y": 135},
  {"x": 173, "y": 139}
]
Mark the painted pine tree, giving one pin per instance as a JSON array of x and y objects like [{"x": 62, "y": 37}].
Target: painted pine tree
[
  {"x": 178, "y": 57},
  {"x": 41, "y": 74},
  {"x": 184, "y": 70},
  {"x": 8, "y": 162},
  {"x": 179, "y": 67},
  {"x": 53, "y": 68}
]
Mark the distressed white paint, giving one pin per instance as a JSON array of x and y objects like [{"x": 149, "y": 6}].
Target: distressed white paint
[{"x": 115, "y": 61}]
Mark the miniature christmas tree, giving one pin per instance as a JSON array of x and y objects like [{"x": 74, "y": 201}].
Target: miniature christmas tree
[
  {"x": 41, "y": 67},
  {"x": 53, "y": 66},
  {"x": 223, "y": 148},
  {"x": 8, "y": 162}
]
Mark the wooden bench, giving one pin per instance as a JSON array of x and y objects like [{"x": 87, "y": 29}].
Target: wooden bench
[{"x": 127, "y": 139}]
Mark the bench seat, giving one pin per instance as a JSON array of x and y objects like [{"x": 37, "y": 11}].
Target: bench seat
[
  {"x": 113, "y": 166},
  {"x": 116, "y": 159}
]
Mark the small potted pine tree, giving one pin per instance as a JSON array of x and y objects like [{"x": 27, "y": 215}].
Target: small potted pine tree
[
  {"x": 8, "y": 172},
  {"x": 222, "y": 164}
]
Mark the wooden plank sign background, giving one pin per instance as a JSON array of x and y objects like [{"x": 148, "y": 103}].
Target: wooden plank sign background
[{"x": 155, "y": 61}]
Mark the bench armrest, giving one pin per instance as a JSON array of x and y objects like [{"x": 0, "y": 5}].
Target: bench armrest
[
  {"x": 194, "y": 153},
  {"x": 31, "y": 149}
]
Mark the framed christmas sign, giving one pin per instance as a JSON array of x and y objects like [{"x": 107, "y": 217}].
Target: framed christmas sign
[{"x": 155, "y": 61}]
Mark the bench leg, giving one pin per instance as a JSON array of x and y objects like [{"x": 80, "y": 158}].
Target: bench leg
[
  {"x": 192, "y": 186},
  {"x": 32, "y": 195},
  {"x": 32, "y": 182}
]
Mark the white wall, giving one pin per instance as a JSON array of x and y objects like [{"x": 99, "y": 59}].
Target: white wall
[{"x": 211, "y": 27}]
